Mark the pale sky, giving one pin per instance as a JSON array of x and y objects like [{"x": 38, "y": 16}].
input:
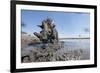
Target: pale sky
[{"x": 67, "y": 23}]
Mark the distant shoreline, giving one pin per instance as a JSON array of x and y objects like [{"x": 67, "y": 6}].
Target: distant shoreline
[{"x": 74, "y": 38}]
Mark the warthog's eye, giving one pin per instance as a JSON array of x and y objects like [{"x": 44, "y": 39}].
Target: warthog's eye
[{"x": 49, "y": 31}]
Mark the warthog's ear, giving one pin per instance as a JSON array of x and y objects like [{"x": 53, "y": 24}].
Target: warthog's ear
[
  {"x": 41, "y": 26},
  {"x": 53, "y": 25}
]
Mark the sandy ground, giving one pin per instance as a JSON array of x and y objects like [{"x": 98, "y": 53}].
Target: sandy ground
[{"x": 51, "y": 53}]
